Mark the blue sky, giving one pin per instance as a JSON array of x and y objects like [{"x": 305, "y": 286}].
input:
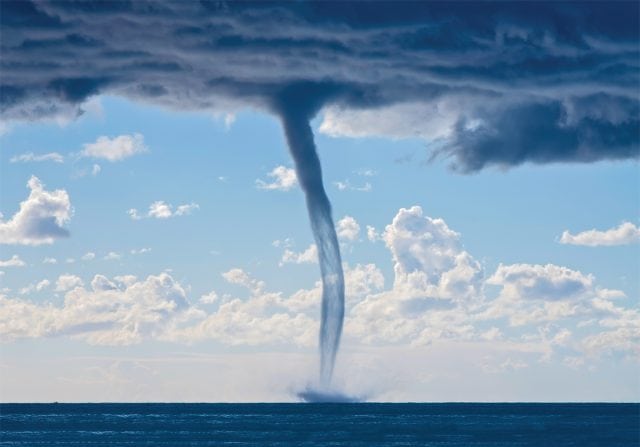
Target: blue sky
[
  {"x": 513, "y": 217},
  {"x": 482, "y": 168}
]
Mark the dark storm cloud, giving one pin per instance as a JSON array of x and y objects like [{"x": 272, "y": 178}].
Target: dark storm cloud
[{"x": 537, "y": 82}]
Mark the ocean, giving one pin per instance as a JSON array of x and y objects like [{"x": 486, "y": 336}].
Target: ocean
[{"x": 308, "y": 424}]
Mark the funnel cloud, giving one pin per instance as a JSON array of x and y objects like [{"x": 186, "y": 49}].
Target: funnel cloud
[{"x": 295, "y": 115}]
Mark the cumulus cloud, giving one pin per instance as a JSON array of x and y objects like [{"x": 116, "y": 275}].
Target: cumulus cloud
[
  {"x": 40, "y": 218},
  {"x": 372, "y": 234},
  {"x": 162, "y": 210},
  {"x": 49, "y": 261},
  {"x": 438, "y": 294},
  {"x": 66, "y": 282},
  {"x": 348, "y": 229},
  {"x": 89, "y": 256},
  {"x": 429, "y": 258},
  {"x": 541, "y": 282},
  {"x": 625, "y": 233},
  {"x": 282, "y": 179},
  {"x": 209, "y": 298},
  {"x": 36, "y": 287},
  {"x": 31, "y": 157},
  {"x": 308, "y": 256},
  {"x": 111, "y": 312},
  {"x": 530, "y": 293},
  {"x": 540, "y": 83},
  {"x": 114, "y": 149},
  {"x": 14, "y": 261},
  {"x": 242, "y": 278}
]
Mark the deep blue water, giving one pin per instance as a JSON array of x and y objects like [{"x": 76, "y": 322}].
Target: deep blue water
[{"x": 357, "y": 424}]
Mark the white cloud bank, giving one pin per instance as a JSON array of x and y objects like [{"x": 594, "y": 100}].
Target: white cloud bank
[
  {"x": 282, "y": 179},
  {"x": 439, "y": 295},
  {"x": 110, "y": 312},
  {"x": 40, "y": 219},
  {"x": 625, "y": 233},
  {"x": 115, "y": 149}
]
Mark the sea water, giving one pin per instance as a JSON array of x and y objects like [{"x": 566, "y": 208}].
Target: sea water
[{"x": 326, "y": 424}]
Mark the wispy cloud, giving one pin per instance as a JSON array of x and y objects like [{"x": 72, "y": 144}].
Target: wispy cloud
[
  {"x": 31, "y": 157},
  {"x": 162, "y": 210},
  {"x": 347, "y": 186}
]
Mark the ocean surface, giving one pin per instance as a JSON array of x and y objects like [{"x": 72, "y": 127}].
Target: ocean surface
[{"x": 308, "y": 424}]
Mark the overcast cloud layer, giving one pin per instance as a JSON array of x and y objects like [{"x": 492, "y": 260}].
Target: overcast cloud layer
[{"x": 505, "y": 83}]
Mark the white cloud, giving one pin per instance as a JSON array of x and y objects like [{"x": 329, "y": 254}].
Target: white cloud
[
  {"x": 95, "y": 170},
  {"x": 140, "y": 251},
  {"x": 133, "y": 213},
  {"x": 229, "y": 119},
  {"x": 162, "y": 210},
  {"x": 31, "y": 157},
  {"x": 115, "y": 149},
  {"x": 366, "y": 172},
  {"x": 347, "y": 186},
  {"x": 372, "y": 234},
  {"x": 110, "y": 313},
  {"x": 540, "y": 282},
  {"x": 532, "y": 294},
  {"x": 89, "y": 256},
  {"x": 15, "y": 261},
  {"x": 40, "y": 219},
  {"x": 283, "y": 179},
  {"x": 66, "y": 282},
  {"x": 37, "y": 287},
  {"x": 112, "y": 256},
  {"x": 49, "y": 261},
  {"x": 437, "y": 295},
  {"x": 308, "y": 256},
  {"x": 209, "y": 298},
  {"x": 185, "y": 210},
  {"x": 625, "y": 233},
  {"x": 242, "y": 278},
  {"x": 432, "y": 121},
  {"x": 70, "y": 261},
  {"x": 429, "y": 259},
  {"x": 348, "y": 229},
  {"x": 287, "y": 243}
]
